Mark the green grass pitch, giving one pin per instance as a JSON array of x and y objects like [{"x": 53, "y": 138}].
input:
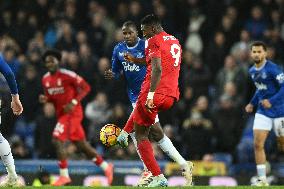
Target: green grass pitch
[{"x": 129, "y": 187}]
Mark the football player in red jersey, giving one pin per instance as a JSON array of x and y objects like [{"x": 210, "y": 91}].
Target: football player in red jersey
[
  {"x": 65, "y": 89},
  {"x": 158, "y": 92}
]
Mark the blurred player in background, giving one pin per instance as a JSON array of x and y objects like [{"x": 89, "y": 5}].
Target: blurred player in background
[
  {"x": 65, "y": 89},
  {"x": 269, "y": 102},
  {"x": 129, "y": 58},
  {"x": 5, "y": 149}
]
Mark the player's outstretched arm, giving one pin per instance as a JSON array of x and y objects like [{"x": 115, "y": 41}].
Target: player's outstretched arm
[
  {"x": 16, "y": 104},
  {"x": 129, "y": 58}
]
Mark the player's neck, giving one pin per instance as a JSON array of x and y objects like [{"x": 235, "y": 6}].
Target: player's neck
[
  {"x": 260, "y": 64},
  {"x": 134, "y": 43},
  {"x": 53, "y": 72}
]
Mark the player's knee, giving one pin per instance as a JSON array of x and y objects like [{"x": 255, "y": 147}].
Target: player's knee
[
  {"x": 157, "y": 136},
  {"x": 258, "y": 145}
]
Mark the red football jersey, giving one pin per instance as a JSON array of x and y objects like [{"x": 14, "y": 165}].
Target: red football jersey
[
  {"x": 167, "y": 48},
  {"x": 62, "y": 87}
]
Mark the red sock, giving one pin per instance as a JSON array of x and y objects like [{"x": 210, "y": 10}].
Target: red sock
[
  {"x": 129, "y": 126},
  {"x": 63, "y": 164},
  {"x": 98, "y": 161},
  {"x": 147, "y": 155}
]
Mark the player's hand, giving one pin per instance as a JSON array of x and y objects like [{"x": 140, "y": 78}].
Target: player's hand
[
  {"x": 109, "y": 74},
  {"x": 150, "y": 105},
  {"x": 42, "y": 99},
  {"x": 128, "y": 57},
  {"x": 68, "y": 107},
  {"x": 16, "y": 105},
  {"x": 266, "y": 104},
  {"x": 249, "y": 108}
]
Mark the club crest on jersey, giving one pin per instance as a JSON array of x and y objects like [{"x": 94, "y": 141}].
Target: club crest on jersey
[
  {"x": 140, "y": 55},
  {"x": 280, "y": 78},
  {"x": 263, "y": 75},
  {"x": 59, "y": 82},
  {"x": 120, "y": 54}
]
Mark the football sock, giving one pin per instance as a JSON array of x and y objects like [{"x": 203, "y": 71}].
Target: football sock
[
  {"x": 132, "y": 135},
  {"x": 261, "y": 171},
  {"x": 147, "y": 155},
  {"x": 129, "y": 126},
  {"x": 7, "y": 157},
  {"x": 167, "y": 146},
  {"x": 99, "y": 161},
  {"x": 63, "y": 168}
]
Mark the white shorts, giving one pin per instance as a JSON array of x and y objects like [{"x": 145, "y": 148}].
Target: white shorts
[
  {"x": 156, "y": 118},
  {"x": 262, "y": 122}
]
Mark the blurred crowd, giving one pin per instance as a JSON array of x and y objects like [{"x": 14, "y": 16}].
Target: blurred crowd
[{"x": 214, "y": 83}]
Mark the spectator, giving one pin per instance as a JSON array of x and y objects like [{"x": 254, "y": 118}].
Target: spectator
[
  {"x": 198, "y": 129},
  {"x": 98, "y": 113},
  {"x": 256, "y": 25},
  {"x": 45, "y": 124}
]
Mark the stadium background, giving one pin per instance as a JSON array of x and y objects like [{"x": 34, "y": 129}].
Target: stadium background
[{"x": 208, "y": 124}]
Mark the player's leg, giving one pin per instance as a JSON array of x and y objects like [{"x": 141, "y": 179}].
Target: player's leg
[
  {"x": 92, "y": 154},
  {"x": 60, "y": 135},
  {"x": 8, "y": 161},
  {"x": 279, "y": 132},
  {"x": 147, "y": 155},
  {"x": 62, "y": 163},
  {"x": 157, "y": 133},
  {"x": 262, "y": 126}
]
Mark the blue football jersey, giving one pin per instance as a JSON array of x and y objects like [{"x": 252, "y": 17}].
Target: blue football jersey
[
  {"x": 269, "y": 83},
  {"x": 134, "y": 73}
]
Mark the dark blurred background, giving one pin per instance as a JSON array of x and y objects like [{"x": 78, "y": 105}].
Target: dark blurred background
[{"x": 215, "y": 35}]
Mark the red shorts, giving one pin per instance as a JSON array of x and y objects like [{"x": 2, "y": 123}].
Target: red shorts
[
  {"x": 140, "y": 114},
  {"x": 69, "y": 127}
]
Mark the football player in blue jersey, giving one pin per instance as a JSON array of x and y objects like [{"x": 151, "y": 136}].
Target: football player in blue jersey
[
  {"x": 129, "y": 59},
  {"x": 268, "y": 101},
  {"x": 5, "y": 149}
]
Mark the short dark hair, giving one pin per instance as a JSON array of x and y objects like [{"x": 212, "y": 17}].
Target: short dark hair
[
  {"x": 259, "y": 43},
  {"x": 151, "y": 19},
  {"x": 52, "y": 52},
  {"x": 129, "y": 23}
]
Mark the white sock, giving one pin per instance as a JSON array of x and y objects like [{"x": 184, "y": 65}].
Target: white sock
[
  {"x": 104, "y": 165},
  {"x": 167, "y": 146},
  {"x": 7, "y": 157},
  {"x": 261, "y": 171},
  {"x": 64, "y": 172},
  {"x": 132, "y": 135}
]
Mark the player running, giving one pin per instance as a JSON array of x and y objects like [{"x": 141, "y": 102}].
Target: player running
[
  {"x": 5, "y": 150},
  {"x": 65, "y": 89},
  {"x": 129, "y": 57},
  {"x": 269, "y": 102}
]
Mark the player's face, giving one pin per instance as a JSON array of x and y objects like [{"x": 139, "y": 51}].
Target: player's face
[
  {"x": 148, "y": 31},
  {"x": 258, "y": 54},
  {"x": 51, "y": 63},
  {"x": 130, "y": 35}
]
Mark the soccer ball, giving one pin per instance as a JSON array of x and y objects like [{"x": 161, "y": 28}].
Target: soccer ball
[{"x": 109, "y": 134}]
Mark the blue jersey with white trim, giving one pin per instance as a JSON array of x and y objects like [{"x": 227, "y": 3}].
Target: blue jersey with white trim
[
  {"x": 134, "y": 73},
  {"x": 269, "y": 83}
]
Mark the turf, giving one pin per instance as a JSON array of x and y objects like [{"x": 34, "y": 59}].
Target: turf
[{"x": 129, "y": 187}]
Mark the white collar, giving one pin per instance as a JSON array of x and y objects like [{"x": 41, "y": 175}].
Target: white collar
[
  {"x": 134, "y": 45},
  {"x": 261, "y": 66}
]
